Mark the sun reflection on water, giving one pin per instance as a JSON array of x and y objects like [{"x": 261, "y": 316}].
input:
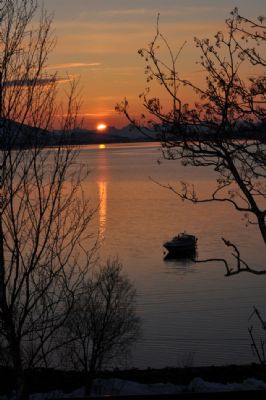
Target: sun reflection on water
[{"x": 102, "y": 187}]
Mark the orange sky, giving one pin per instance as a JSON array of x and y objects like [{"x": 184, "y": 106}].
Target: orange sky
[{"x": 98, "y": 40}]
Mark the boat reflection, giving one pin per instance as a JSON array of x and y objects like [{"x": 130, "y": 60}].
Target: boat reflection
[
  {"x": 190, "y": 255},
  {"x": 182, "y": 263}
]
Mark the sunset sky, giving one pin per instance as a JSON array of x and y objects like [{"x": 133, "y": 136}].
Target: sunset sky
[{"x": 98, "y": 40}]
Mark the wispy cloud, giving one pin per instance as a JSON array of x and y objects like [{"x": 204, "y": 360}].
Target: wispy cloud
[
  {"x": 99, "y": 114},
  {"x": 35, "y": 82},
  {"x": 129, "y": 11},
  {"x": 104, "y": 98},
  {"x": 73, "y": 65},
  {"x": 120, "y": 71},
  {"x": 102, "y": 38}
]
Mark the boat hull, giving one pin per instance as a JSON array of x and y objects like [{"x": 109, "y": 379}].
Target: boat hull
[
  {"x": 180, "y": 251},
  {"x": 182, "y": 246}
]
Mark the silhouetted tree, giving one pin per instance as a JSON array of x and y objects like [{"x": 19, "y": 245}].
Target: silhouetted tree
[
  {"x": 103, "y": 323},
  {"x": 225, "y": 129},
  {"x": 44, "y": 215},
  {"x": 258, "y": 345}
]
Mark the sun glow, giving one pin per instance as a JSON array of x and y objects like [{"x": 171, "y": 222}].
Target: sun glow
[{"x": 101, "y": 127}]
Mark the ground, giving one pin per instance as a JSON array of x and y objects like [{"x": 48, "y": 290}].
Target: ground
[{"x": 148, "y": 381}]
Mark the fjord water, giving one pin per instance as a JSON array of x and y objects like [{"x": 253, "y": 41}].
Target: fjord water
[{"x": 191, "y": 313}]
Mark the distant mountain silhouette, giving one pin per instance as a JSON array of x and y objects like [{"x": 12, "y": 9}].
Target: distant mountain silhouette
[
  {"x": 128, "y": 133},
  {"x": 17, "y": 135}
]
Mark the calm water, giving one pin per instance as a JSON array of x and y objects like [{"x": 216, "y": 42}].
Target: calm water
[{"x": 191, "y": 313}]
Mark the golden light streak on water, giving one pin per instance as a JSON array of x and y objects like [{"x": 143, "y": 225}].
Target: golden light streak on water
[{"x": 102, "y": 189}]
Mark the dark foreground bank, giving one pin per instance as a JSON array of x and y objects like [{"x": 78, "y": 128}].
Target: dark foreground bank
[{"x": 47, "y": 380}]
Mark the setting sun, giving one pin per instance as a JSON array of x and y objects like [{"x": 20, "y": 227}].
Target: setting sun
[{"x": 101, "y": 127}]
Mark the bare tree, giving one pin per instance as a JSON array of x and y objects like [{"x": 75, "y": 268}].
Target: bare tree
[
  {"x": 103, "y": 323},
  {"x": 258, "y": 345},
  {"x": 45, "y": 248},
  {"x": 225, "y": 129}
]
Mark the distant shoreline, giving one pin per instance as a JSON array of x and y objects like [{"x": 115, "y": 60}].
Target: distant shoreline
[
  {"x": 18, "y": 136},
  {"x": 109, "y": 139}
]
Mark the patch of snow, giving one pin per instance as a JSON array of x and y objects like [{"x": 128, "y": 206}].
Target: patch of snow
[
  {"x": 253, "y": 384},
  {"x": 199, "y": 385},
  {"x": 121, "y": 387}
]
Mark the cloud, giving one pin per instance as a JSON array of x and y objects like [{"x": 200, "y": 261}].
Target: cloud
[
  {"x": 129, "y": 11},
  {"x": 120, "y": 71},
  {"x": 104, "y": 98},
  {"x": 100, "y": 114},
  {"x": 35, "y": 82},
  {"x": 73, "y": 65},
  {"x": 102, "y": 38}
]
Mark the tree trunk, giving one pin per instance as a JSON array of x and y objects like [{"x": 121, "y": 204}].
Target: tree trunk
[
  {"x": 21, "y": 389},
  {"x": 16, "y": 357},
  {"x": 89, "y": 378},
  {"x": 262, "y": 226}
]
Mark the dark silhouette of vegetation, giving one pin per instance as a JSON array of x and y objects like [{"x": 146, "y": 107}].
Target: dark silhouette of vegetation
[
  {"x": 258, "y": 344},
  {"x": 212, "y": 133},
  {"x": 102, "y": 325},
  {"x": 44, "y": 215}
]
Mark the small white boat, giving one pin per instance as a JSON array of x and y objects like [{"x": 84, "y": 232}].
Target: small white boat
[{"x": 182, "y": 244}]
